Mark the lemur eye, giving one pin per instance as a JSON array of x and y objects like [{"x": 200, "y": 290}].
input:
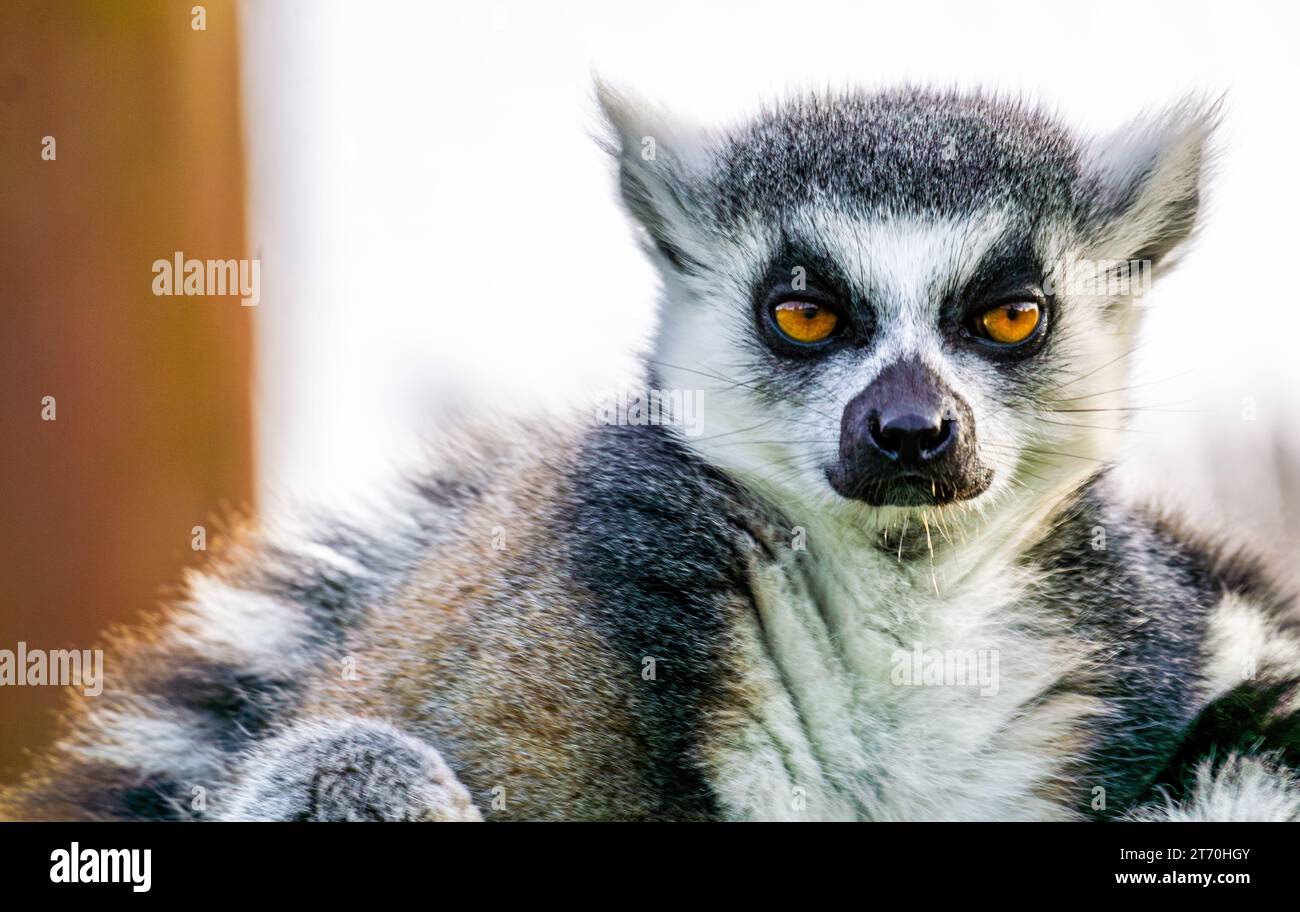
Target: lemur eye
[
  {"x": 805, "y": 322},
  {"x": 1010, "y": 323}
]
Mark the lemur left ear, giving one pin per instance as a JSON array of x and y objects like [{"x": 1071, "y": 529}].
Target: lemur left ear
[
  {"x": 1143, "y": 183},
  {"x": 658, "y": 158}
]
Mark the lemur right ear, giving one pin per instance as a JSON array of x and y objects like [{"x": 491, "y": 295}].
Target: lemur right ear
[
  {"x": 1143, "y": 183},
  {"x": 657, "y": 159}
]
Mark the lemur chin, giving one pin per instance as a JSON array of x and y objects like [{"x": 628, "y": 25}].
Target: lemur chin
[{"x": 890, "y": 578}]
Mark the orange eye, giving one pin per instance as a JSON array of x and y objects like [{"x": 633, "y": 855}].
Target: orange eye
[
  {"x": 805, "y": 322},
  {"x": 1010, "y": 323}
]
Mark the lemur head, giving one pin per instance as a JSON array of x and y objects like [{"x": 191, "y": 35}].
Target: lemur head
[{"x": 902, "y": 301}]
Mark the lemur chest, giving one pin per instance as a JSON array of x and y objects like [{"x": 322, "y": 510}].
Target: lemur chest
[{"x": 870, "y": 699}]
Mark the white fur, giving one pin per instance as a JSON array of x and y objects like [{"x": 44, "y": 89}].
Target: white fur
[
  {"x": 232, "y": 624},
  {"x": 835, "y": 737},
  {"x": 148, "y": 738},
  {"x": 1245, "y": 643},
  {"x": 1244, "y": 789}
]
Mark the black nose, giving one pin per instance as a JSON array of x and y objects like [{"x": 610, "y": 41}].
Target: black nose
[
  {"x": 907, "y": 439},
  {"x": 912, "y": 438}
]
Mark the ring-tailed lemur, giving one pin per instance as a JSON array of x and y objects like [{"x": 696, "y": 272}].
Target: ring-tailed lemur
[{"x": 890, "y": 577}]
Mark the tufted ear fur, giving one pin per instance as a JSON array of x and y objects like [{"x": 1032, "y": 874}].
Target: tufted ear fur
[
  {"x": 660, "y": 161},
  {"x": 1143, "y": 184}
]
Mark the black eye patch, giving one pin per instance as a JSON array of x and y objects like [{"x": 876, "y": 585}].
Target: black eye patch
[
  {"x": 1006, "y": 269},
  {"x": 1009, "y": 273},
  {"x": 798, "y": 274},
  {"x": 796, "y": 271}
]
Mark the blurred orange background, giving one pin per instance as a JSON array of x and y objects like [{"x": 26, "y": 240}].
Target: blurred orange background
[{"x": 153, "y": 432}]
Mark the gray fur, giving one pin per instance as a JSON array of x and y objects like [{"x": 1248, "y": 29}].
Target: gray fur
[{"x": 348, "y": 770}]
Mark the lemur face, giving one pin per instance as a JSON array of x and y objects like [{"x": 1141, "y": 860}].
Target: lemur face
[{"x": 895, "y": 303}]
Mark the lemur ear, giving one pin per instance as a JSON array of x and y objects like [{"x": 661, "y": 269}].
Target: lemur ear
[
  {"x": 658, "y": 157},
  {"x": 1143, "y": 183}
]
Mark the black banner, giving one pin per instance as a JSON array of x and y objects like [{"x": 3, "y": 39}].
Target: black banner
[{"x": 330, "y": 860}]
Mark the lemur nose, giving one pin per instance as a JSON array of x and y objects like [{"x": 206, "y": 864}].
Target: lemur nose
[{"x": 910, "y": 437}]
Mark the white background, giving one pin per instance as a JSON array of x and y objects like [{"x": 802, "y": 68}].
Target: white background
[{"x": 437, "y": 227}]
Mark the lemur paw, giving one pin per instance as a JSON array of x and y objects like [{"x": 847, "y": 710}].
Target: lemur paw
[{"x": 349, "y": 769}]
